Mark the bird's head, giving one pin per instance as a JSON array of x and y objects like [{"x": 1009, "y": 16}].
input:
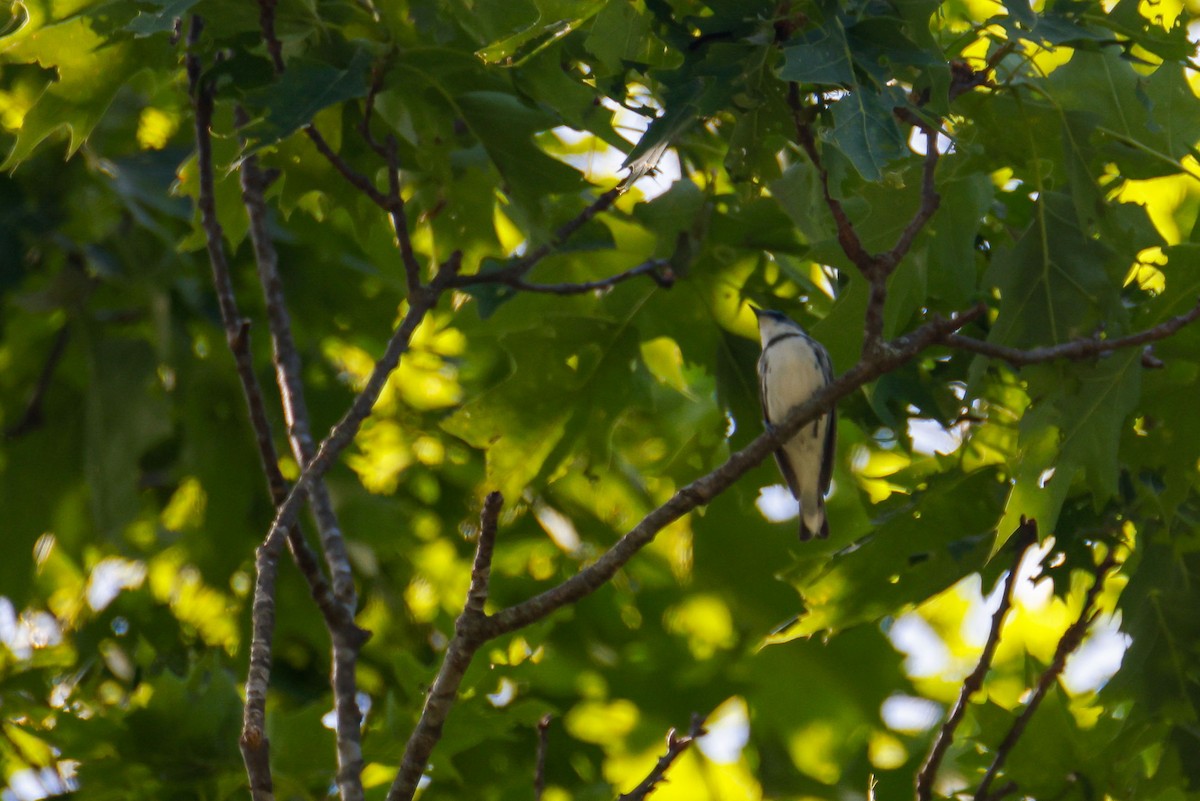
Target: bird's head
[{"x": 772, "y": 323}]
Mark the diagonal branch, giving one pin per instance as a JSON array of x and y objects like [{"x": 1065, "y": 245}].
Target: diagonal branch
[
  {"x": 1072, "y": 638},
  {"x": 676, "y": 745},
  {"x": 468, "y": 636},
  {"x": 848, "y": 238},
  {"x": 1023, "y": 538},
  {"x": 518, "y": 267},
  {"x": 658, "y": 270},
  {"x": 32, "y": 418},
  {"x": 347, "y": 637},
  {"x": 1077, "y": 348}
]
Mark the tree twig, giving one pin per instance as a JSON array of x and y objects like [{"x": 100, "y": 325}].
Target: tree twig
[
  {"x": 1024, "y": 538},
  {"x": 676, "y": 745},
  {"x": 1067, "y": 644},
  {"x": 468, "y": 636},
  {"x": 1075, "y": 349},
  {"x": 539, "y": 770},
  {"x": 347, "y": 637},
  {"x": 32, "y": 418},
  {"x": 658, "y": 270},
  {"x": 847, "y": 237},
  {"x": 518, "y": 267}
]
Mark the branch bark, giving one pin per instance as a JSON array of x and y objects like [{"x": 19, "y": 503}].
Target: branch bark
[
  {"x": 1024, "y": 538},
  {"x": 658, "y": 270},
  {"x": 1075, "y": 349},
  {"x": 676, "y": 745},
  {"x": 539, "y": 770},
  {"x": 468, "y": 636}
]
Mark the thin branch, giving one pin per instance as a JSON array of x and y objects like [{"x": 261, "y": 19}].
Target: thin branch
[
  {"x": 356, "y": 179},
  {"x": 676, "y": 745},
  {"x": 1023, "y": 538},
  {"x": 539, "y": 770},
  {"x": 930, "y": 200},
  {"x": 364, "y": 125},
  {"x": 468, "y": 636},
  {"x": 347, "y": 637},
  {"x": 517, "y": 268},
  {"x": 658, "y": 270},
  {"x": 266, "y": 21},
  {"x": 847, "y": 237},
  {"x": 254, "y": 744},
  {"x": 1077, "y": 348},
  {"x": 408, "y": 257},
  {"x": 1071, "y": 640},
  {"x": 32, "y": 418}
]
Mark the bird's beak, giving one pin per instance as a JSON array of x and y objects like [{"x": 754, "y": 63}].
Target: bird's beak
[{"x": 757, "y": 311}]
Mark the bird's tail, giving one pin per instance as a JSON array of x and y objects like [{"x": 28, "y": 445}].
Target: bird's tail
[{"x": 814, "y": 523}]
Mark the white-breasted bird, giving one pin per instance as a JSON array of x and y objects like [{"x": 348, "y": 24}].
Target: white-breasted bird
[{"x": 792, "y": 367}]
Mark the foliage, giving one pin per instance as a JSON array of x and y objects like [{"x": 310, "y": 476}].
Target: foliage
[{"x": 133, "y": 499}]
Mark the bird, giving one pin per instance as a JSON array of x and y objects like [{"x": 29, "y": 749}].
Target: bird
[{"x": 791, "y": 368}]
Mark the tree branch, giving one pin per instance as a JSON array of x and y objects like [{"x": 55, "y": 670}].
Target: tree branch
[
  {"x": 539, "y": 770},
  {"x": 930, "y": 201},
  {"x": 518, "y": 267},
  {"x": 659, "y": 271},
  {"x": 1075, "y": 349},
  {"x": 676, "y": 745},
  {"x": 1071, "y": 640},
  {"x": 847, "y": 237},
  {"x": 347, "y": 637},
  {"x": 31, "y": 419},
  {"x": 468, "y": 636},
  {"x": 1024, "y": 538}
]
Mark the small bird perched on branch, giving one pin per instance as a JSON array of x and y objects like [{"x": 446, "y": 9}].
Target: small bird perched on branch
[{"x": 792, "y": 367}]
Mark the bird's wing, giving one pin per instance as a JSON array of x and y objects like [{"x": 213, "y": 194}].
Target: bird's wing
[
  {"x": 789, "y": 475},
  {"x": 830, "y": 450}
]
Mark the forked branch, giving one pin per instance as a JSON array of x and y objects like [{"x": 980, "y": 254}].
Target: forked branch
[{"x": 1023, "y": 539}]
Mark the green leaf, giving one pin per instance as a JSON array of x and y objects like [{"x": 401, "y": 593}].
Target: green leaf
[
  {"x": 91, "y": 69},
  {"x": 556, "y": 19},
  {"x": 305, "y": 88},
  {"x": 865, "y": 131},
  {"x": 920, "y": 548},
  {"x": 161, "y": 20},
  {"x": 557, "y": 371},
  {"x": 1056, "y": 282},
  {"x": 505, "y": 126},
  {"x": 126, "y": 415},
  {"x": 821, "y": 56}
]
